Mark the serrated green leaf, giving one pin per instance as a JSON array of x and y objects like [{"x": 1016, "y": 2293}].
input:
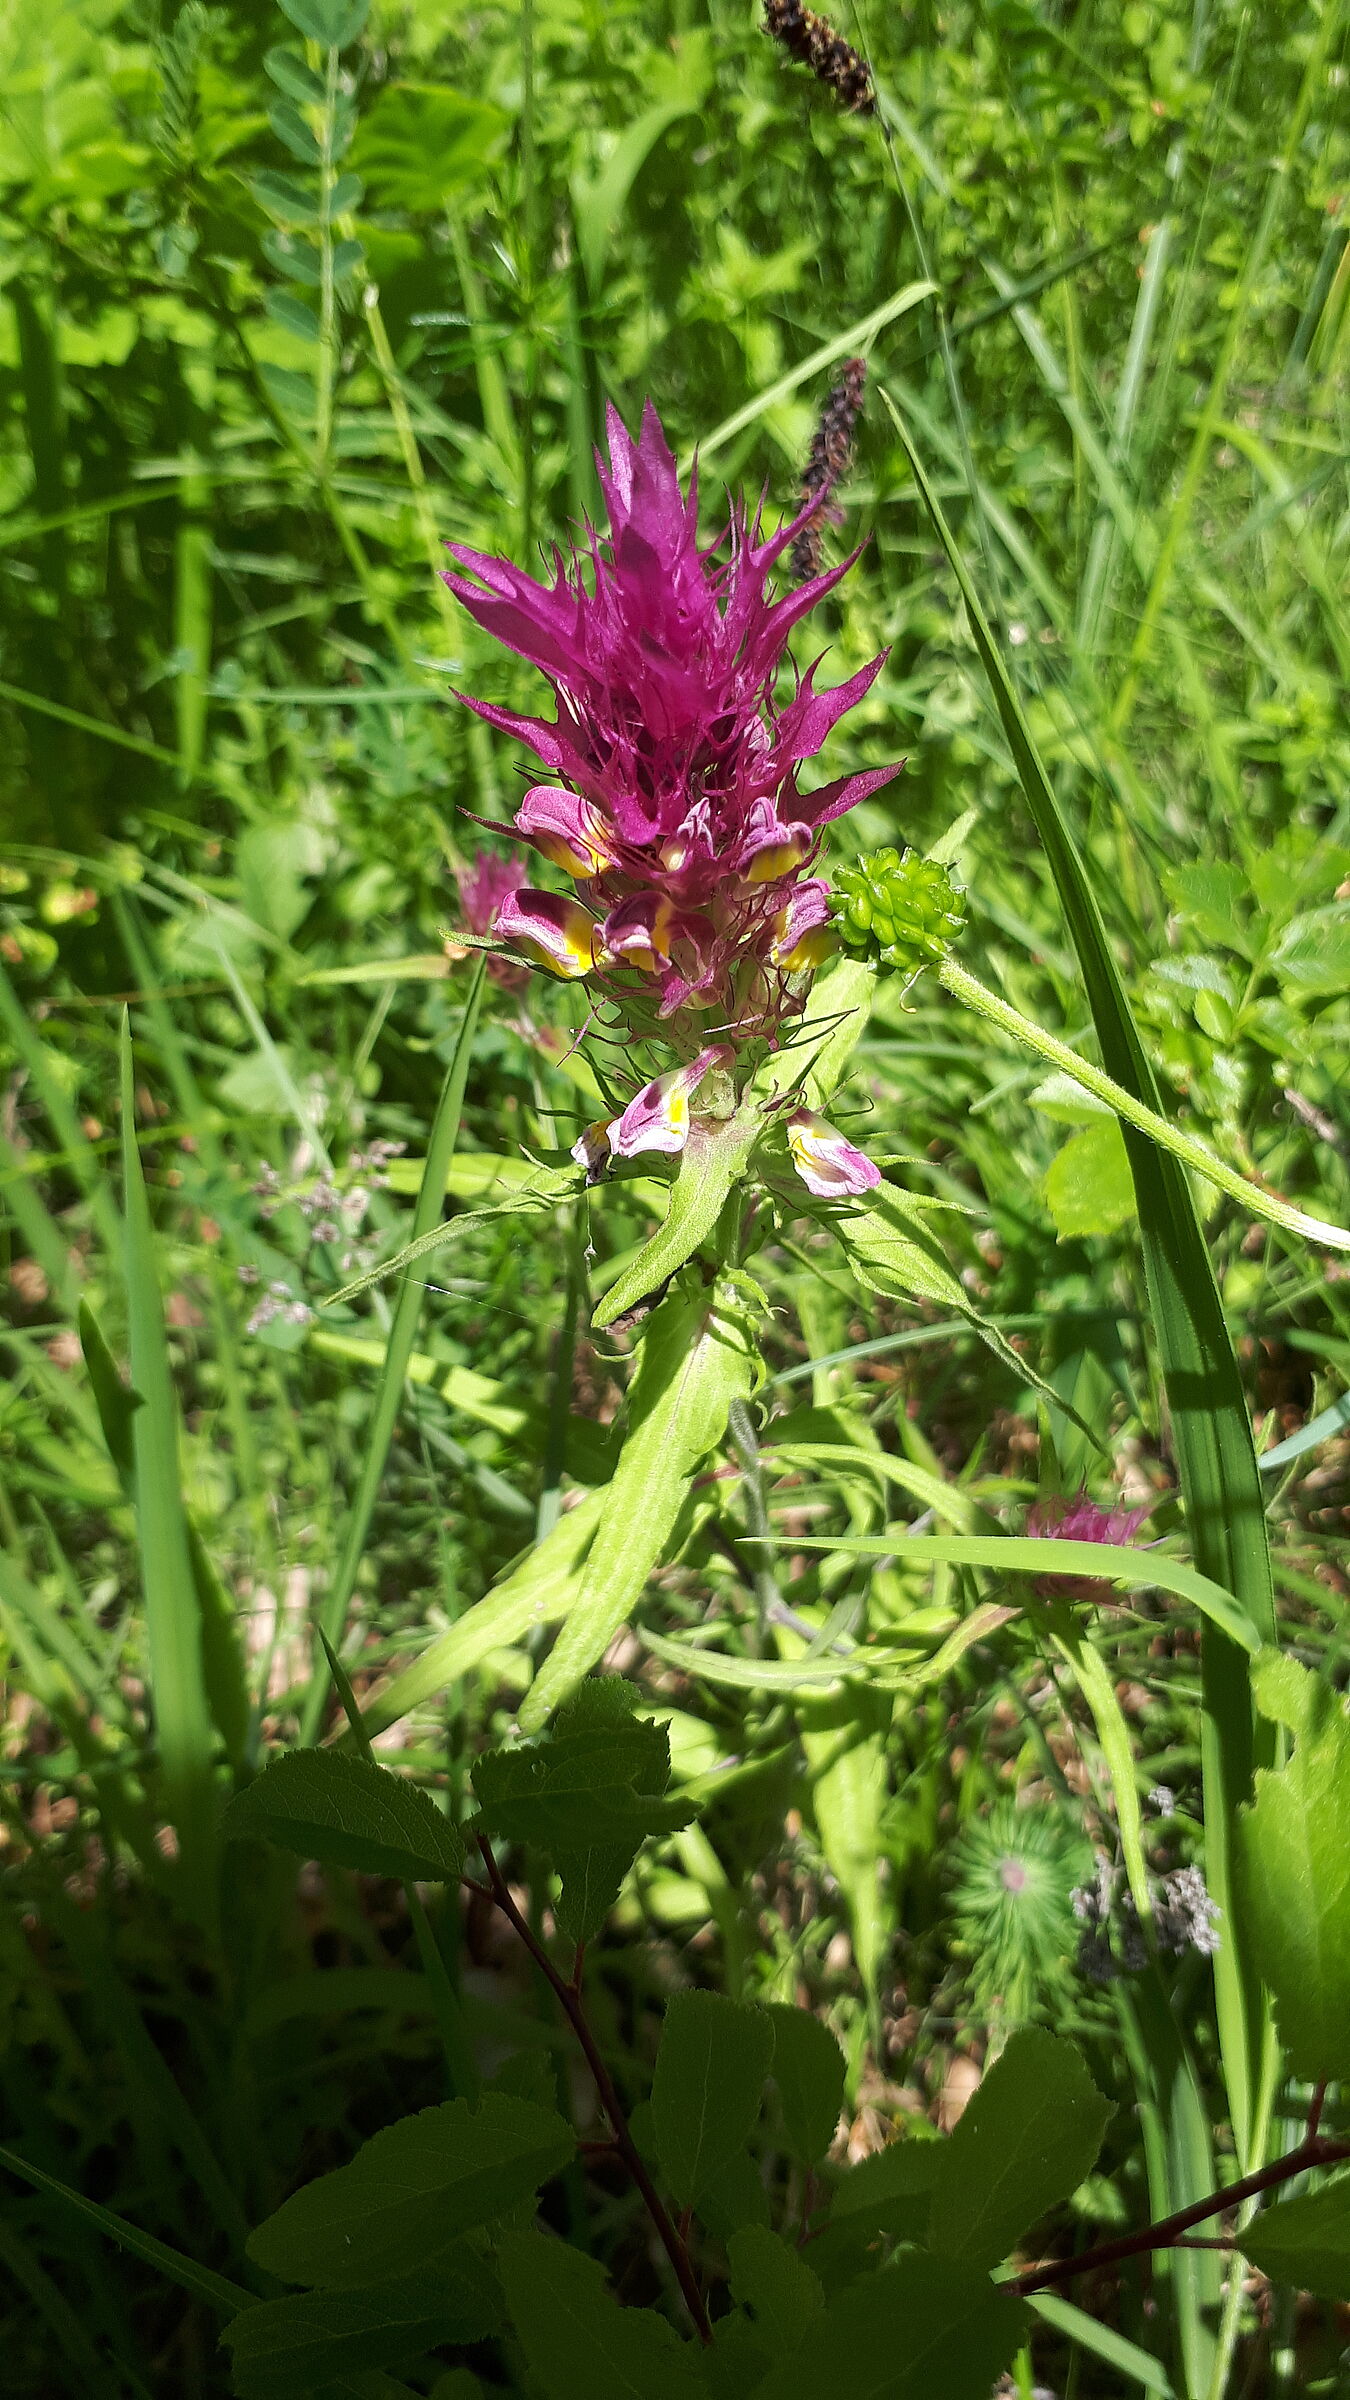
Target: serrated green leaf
[
  {"x": 923, "y": 2329},
  {"x": 808, "y": 2069},
  {"x": 1026, "y": 2140},
  {"x": 307, "y": 2341},
  {"x": 576, "y": 1791},
  {"x": 579, "y": 2344},
  {"x": 775, "y": 2285},
  {"x": 1294, "y": 1879},
  {"x": 410, "y": 2191},
  {"x": 892, "y": 2191},
  {"x": 1306, "y": 2242},
  {"x": 706, "y": 2090},
  {"x": 346, "y": 1812}
]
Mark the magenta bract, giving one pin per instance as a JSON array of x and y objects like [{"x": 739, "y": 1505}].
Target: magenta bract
[{"x": 676, "y": 803}]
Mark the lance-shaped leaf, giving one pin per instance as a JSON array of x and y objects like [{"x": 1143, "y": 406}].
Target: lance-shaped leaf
[
  {"x": 891, "y": 1248},
  {"x": 698, "y": 1354},
  {"x": 409, "y": 2192},
  {"x": 348, "y": 1813},
  {"x": 713, "y": 1159}
]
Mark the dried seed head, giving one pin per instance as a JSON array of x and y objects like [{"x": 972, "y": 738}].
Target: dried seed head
[
  {"x": 814, "y": 43},
  {"x": 830, "y": 458}
]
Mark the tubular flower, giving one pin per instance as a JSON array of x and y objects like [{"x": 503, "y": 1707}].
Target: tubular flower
[
  {"x": 553, "y": 931},
  {"x": 675, "y": 802},
  {"x": 827, "y": 1164},
  {"x": 1080, "y": 1520}
]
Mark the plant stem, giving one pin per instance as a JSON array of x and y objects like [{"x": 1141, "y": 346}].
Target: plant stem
[
  {"x": 1313, "y": 2151},
  {"x": 569, "y": 2000}
]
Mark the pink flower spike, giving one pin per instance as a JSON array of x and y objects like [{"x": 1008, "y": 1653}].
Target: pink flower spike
[
  {"x": 802, "y": 934},
  {"x": 827, "y": 1164},
  {"x": 659, "y": 1117},
  {"x": 773, "y": 849},
  {"x": 484, "y": 884},
  {"x": 1081, "y": 1520},
  {"x": 553, "y": 931},
  {"x": 564, "y": 829}
]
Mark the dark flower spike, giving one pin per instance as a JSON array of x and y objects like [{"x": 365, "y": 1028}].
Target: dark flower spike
[
  {"x": 675, "y": 808},
  {"x": 814, "y": 43}
]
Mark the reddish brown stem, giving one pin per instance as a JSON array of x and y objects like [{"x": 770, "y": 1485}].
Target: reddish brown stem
[
  {"x": 1315, "y": 2108},
  {"x": 569, "y": 2000},
  {"x": 1165, "y": 2235}
]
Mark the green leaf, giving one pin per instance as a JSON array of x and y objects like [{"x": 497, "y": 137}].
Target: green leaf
[
  {"x": 550, "y": 1188},
  {"x": 1029, "y": 2136},
  {"x": 775, "y": 2285},
  {"x": 579, "y": 2344},
  {"x": 545, "y": 1586},
  {"x": 1306, "y": 2242},
  {"x": 698, "y": 1354},
  {"x": 706, "y": 2090},
  {"x": 1294, "y": 1878},
  {"x": 814, "y": 1061},
  {"x": 809, "y": 2069},
  {"x": 592, "y": 1875},
  {"x": 1089, "y": 1189},
  {"x": 286, "y": 198},
  {"x": 296, "y": 315},
  {"x": 710, "y": 1163},
  {"x": 305, "y": 2342},
  {"x": 407, "y": 2194},
  {"x": 330, "y": 23},
  {"x": 923, "y": 2329},
  {"x": 172, "y": 1621},
  {"x": 893, "y": 2189},
  {"x": 892, "y": 1250},
  {"x": 422, "y": 142},
  {"x": 348, "y": 1813},
  {"x": 290, "y": 74},
  {"x": 576, "y": 1791}
]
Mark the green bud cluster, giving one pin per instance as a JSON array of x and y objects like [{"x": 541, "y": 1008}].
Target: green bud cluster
[{"x": 903, "y": 912}]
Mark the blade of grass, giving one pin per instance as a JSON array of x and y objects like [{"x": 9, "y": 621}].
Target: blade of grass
[
  {"x": 202, "y": 2282},
  {"x": 1211, "y": 1431},
  {"x": 172, "y": 1624},
  {"x": 398, "y": 1349}
]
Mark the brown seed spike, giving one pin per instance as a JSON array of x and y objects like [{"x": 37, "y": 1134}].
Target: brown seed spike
[
  {"x": 814, "y": 43},
  {"x": 830, "y": 458}
]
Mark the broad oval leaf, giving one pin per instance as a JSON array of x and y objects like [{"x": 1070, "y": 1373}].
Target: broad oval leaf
[
  {"x": 1027, "y": 2139},
  {"x": 347, "y": 1812},
  {"x": 306, "y": 2341},
  {"x": 706, "y": 2091},
  {"x": 407, "y": 2194}
]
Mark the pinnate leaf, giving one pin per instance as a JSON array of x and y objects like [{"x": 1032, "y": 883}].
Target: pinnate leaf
[
  {"x": 347, "y": 1812},
  {"x": 1294, "y": 1870},
  {"x": 1026, "y": 2140},
  {"x": 579, "y": 2344},
  {"x": 407, "y": 2193},
  {"x": 302, "y": 2343},
  {"x": 706, "y": 2091}
]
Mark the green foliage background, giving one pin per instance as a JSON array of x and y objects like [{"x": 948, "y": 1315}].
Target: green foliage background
[{"x": 271, "y": 331}]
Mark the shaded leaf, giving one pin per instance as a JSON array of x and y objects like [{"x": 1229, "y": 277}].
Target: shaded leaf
[
  {"x": 1029, "y": 2136},
  {"x": 1294, "y": 1870},
  {"x": 579, "y": 2344},
  {"x": 808, "y": 2068},
  {"x": 346, "y": 1812},
  {"x": 412, "y": 2189},
  {"x": 1306, "y": 2242},
  {"x": 924, "y": 2329},
  {"x": 301, "y": 2343},
  {"x": 706, "y": 2091}
]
